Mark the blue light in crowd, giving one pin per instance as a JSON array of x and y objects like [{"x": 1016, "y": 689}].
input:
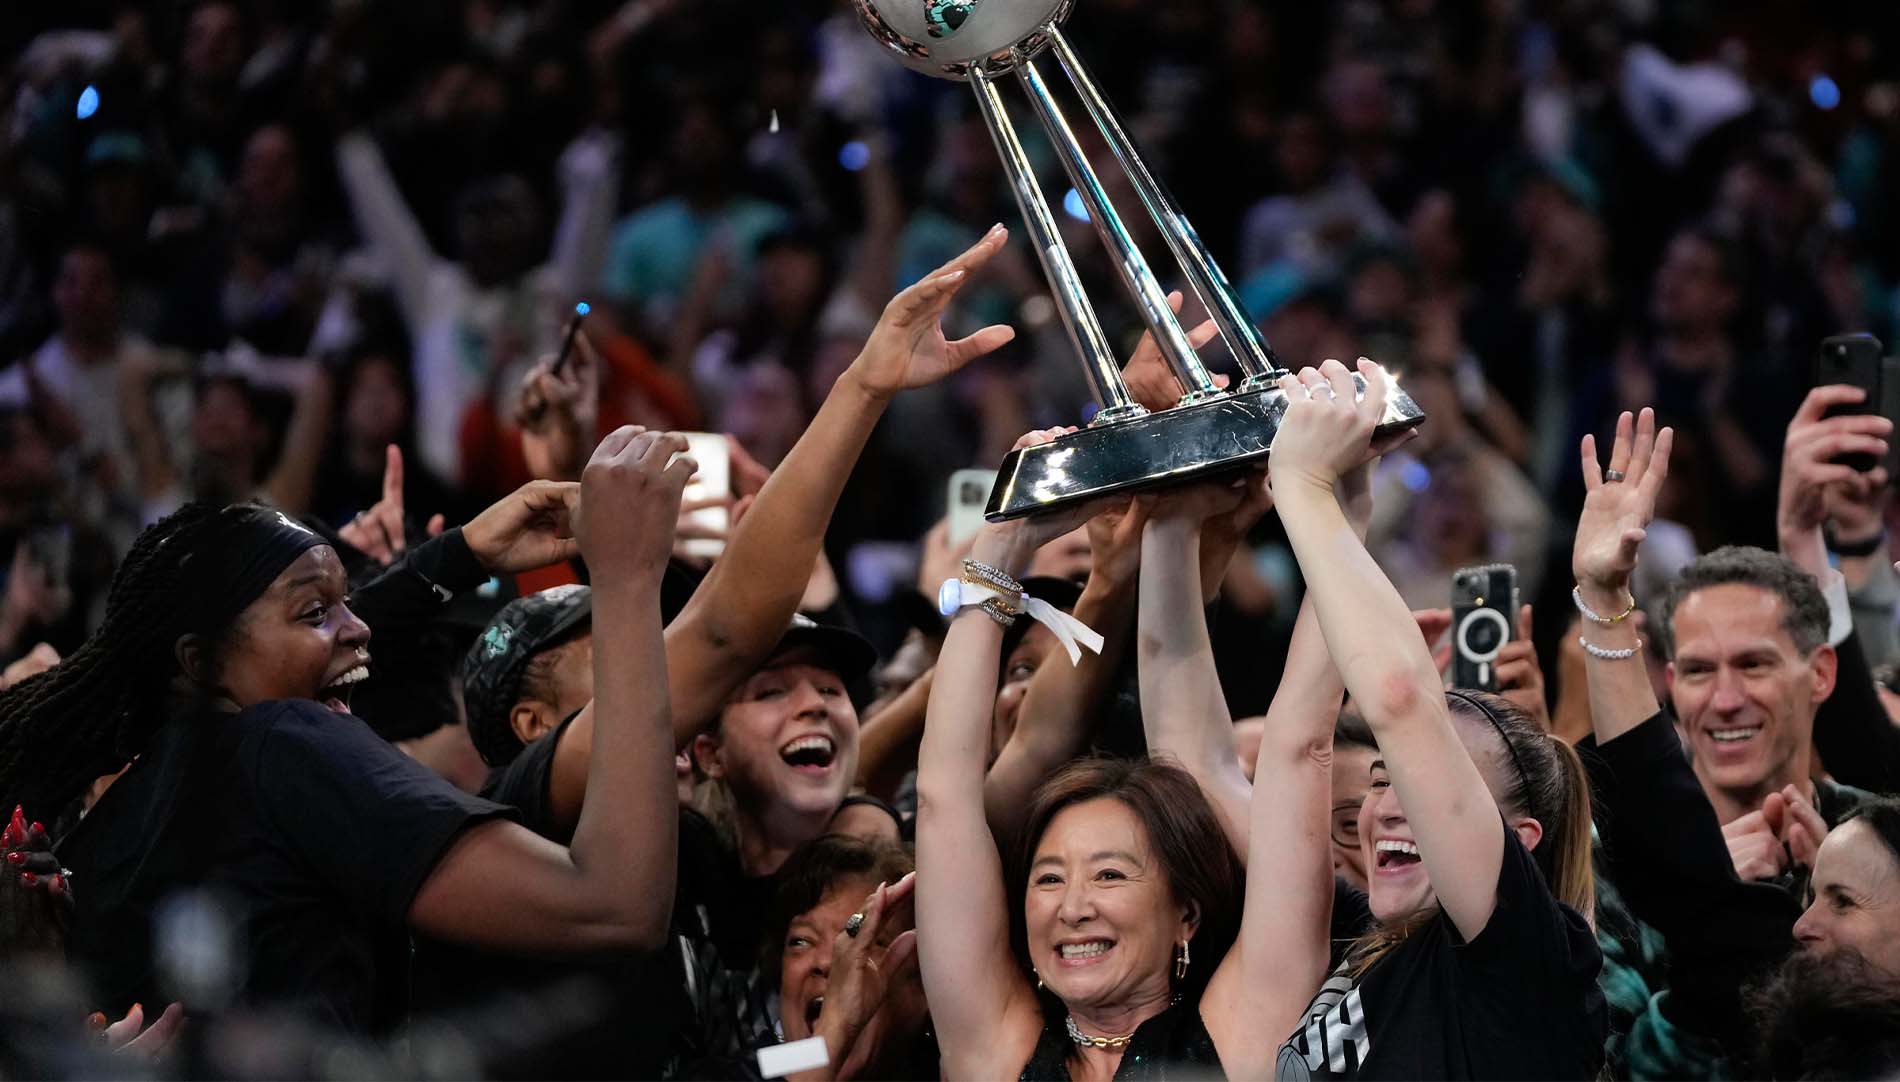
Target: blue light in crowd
[
  {"x": 854, "y": 155},
  {"x": 1824, "y": 92},
  {"x": 1075, "y": 207},
  {"x": 581, "y": 308},
  {"x": 1415, "y": 476},
  {"x": 88, "y": 102}
]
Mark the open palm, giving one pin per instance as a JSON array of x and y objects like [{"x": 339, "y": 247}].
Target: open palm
[
  {"x": 1616, "y": 514},
  {"x": 908, "y": 348}
]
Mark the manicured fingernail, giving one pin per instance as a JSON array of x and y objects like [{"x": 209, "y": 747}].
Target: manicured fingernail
[
  {"x": 59, "y": 882},
  {"x": 39, "y": 826},
  {"x": 16, "y": 858},
  {"x": 29, "y": 879},
  {"x": 96, "y": 1020}
]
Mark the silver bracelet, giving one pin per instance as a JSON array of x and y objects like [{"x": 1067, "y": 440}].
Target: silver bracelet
[
  {"x": 1604, "y": 654},
  {"x": 984, "y": 573},
  {"x": 1576, "y": 595}
]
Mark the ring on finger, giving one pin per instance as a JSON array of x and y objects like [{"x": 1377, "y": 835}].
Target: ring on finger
[
  {"x": 854, "y": 924},
  {"x": 1613, "y": 476}
]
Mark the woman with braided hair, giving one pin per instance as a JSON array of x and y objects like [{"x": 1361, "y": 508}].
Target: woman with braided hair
[{"x": 223, "y": 672}]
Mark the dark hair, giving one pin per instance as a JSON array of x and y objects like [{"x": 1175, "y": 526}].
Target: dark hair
[
  {"x": 1804, "y": 609},
  {"x": 1546, "y": 781},
  {"x": 1831, "y": 1015},
  {"x": 1882, "y": 816},
  {"x": 96, "y": 710},
  {"x": 813, "y": 871},
  {"x": 1186, "y": 838},
  {"x": 1351, "y": 731}
]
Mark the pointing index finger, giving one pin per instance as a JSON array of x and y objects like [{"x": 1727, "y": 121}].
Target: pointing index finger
[{"x": 392, "y": 474}]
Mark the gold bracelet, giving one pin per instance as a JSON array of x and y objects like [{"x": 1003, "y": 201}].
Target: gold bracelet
[
  {"x": 999, "y": 612},
  {"x": 1576, "y": 595}
]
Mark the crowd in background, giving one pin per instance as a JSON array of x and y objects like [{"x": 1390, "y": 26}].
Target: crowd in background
[{"x": 319, "y": 256}]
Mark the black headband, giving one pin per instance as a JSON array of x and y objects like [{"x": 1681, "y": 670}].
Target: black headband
[
  {"x": 255, "y": 552},
  {"x": 1524, "y": 778}
]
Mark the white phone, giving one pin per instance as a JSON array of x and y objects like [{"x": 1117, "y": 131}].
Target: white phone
[
  {"x": 969, "y": 495},
  {"x": 713, "y": 480}
]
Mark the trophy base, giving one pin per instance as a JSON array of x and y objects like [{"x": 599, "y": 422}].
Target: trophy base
[{"x": 1159, "y": 449}]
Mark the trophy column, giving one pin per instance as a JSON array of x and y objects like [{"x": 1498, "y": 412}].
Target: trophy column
[
  {"x": 1099, "y": 365},
  {"x": 1251, "y": 351},
  {"x": 1136, "y": 276}
]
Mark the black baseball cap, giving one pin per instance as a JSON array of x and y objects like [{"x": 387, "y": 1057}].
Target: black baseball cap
[
  {"x": 491, "y": 672},
  {"x": 838, "y": 649}
]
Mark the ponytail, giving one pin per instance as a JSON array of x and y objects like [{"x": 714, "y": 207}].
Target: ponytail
[
  {"x": 1545, "y": 781},
  {"x": 1571, "y": 856}
]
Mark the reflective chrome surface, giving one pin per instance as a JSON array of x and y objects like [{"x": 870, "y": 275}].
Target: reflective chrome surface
[
  {"x": 1142, "y": 285},
  {"x": 978, "y": 41},
  {"x": 1210, "y": 283},
  {"x": 1078, "y": 318},
  {"x": 945, "y": 37},
  {"x": 1159, "y": 449}
]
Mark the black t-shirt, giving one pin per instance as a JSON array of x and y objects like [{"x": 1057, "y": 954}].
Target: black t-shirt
[
  {"x": 311, "y": 829},
  {"x": 650, "y": 1013},
  {"x": 1519, "y": 1001}
]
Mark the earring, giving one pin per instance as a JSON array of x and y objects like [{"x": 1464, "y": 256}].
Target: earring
[
  {"x": 1038, "y": 980},
  {"x": 1181, "y": 961}
]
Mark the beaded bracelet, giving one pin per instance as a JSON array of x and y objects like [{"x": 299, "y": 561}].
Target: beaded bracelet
[
  {"x": 984, "y": 575},
  {"x": 1605, "y": 654},
  {"x": 1576, "y": 595}
]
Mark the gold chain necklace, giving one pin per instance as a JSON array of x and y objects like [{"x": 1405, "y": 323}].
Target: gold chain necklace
[{"x": 1079, "y": 1037}]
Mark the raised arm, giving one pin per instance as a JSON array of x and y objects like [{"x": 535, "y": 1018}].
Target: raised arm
[
  {"x": 503, "y": 887},
  {"x": 1615, "y": 516},
  {"x": 1183, "y": 709},
  {"x": 1390, "y": 674},
  {"x": 1063, "y": 701},
  {"x": 292, "y": 485},
  {"x": 386, "y": 224},
  {"x": 985, "y": 1012},
  {"x": 1663, "y": 844},
  {"x": 742, "y": 608}
]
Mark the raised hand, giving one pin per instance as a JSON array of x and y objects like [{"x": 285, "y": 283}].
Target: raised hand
[
  {"x": 527, "y": 529},
  {"x": 629, "y": 502},
  {"x": 864, "y": 966},
  {"x": 1008, "y": 546},
  {"x": 1115, "y": 542},
  {"x": 1327, "y": 430},
  {"x": 1813, "y": 442},
  {"x": 559, "y": 411},
  {"x": 907, "y": 348},
  {"x": 1618, "y": 507},
  {"x": 1520, "y": 675},
  {"x": 1151, "y": 383},
  {"x": 380, "y": 532}
]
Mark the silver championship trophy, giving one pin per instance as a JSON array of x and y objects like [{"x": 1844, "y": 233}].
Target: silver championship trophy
[{"x": 1126, "y": 446}]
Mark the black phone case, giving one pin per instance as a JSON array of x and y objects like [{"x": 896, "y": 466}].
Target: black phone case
[{"x": 1855, "y": 360}]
